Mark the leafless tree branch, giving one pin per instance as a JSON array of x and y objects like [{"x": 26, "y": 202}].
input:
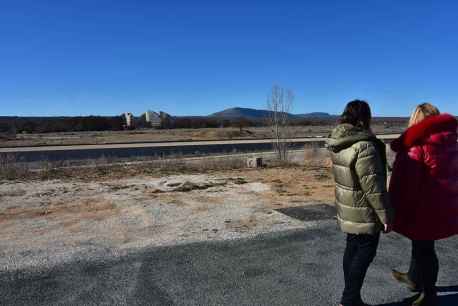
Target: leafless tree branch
[{"x": 279, "y": 104}]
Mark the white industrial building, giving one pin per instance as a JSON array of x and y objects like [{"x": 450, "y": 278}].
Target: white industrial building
[
  {"x": 129, "y": 120},
  {"x": 153, "y": 118}
]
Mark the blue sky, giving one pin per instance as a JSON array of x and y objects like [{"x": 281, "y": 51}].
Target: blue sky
[{"x": 197, "y": 57}]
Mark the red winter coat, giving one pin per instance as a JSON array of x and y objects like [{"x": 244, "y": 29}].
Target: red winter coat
[{"x": 424, "y": 182}]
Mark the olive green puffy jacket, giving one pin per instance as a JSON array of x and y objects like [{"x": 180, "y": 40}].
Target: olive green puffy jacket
[{"x": 359, "y": 167}]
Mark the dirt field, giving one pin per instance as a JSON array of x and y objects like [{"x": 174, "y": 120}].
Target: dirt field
[
  {"x": 170, "y": 135},
  {"x": 53, "y": 221}
]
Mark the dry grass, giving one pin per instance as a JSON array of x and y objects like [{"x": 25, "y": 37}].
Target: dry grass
[
  {"x": 147, "y": 135},
  {"x": 295, "y": 184},
  {"x": 104, "y": 168},
  {"x": 94, "y": 209},
  {"x": 10, "y": 169}
]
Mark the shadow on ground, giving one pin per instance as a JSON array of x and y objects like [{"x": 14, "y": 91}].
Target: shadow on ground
[
  {"x": 310, "y": 212},
  {"x": 297, "y": 267}
]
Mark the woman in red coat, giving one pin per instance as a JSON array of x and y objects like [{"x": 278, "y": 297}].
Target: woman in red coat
[{"x": 424, "y": 194}]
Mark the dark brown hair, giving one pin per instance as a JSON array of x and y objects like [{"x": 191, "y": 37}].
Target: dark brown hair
[{"x": 357, "y": 113}]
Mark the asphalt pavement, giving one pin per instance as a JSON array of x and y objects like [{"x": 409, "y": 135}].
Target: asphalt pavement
[{"x": 301, "y": 267}]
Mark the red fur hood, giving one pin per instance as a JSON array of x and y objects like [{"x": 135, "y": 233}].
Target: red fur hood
[{"x": 438, "y": 129}]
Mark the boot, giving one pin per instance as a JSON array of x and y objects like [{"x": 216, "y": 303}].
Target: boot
[
  {"x": 403, "y": 278},
  {"x": 419, "y": 300},
  {"x": 426, "y": 300}
]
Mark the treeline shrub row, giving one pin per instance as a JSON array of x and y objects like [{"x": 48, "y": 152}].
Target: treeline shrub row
[
  {"x": 61, "y": 124},
  {"x": 94, "y": 123},
  {"x": 99, "y": 123}
]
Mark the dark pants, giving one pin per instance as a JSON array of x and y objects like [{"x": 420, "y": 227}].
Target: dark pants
[
  {"x": 359, "y": 253},
  {"x": 424, "y": 265}
]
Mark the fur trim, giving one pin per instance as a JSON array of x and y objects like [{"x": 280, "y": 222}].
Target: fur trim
[{"x": 422, "y": 130}]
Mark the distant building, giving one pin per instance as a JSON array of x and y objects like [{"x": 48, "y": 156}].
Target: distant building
[
  {"x": 153, "y": 118},
  {"x": 164, "y": 115},
  {"x": 148, "y": 119},
  {"x": 166, "y": 120},
  {"x": 129, "y": 120}
]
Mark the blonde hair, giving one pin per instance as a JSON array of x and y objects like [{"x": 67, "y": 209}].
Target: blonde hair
[{"x": 421, "y": 112}]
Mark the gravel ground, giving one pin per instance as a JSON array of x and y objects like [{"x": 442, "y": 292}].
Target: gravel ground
[{"x": 45, "y": 223}]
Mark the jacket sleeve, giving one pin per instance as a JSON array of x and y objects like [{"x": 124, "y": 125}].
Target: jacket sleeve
[{"x": 372, "y": 177}]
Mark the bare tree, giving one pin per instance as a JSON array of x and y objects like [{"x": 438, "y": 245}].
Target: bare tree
[{"x": 279, "y": 104}]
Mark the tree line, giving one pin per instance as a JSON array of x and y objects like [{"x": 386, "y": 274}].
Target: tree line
[
  {"x": 60, "y": 124},
  {"x": 116, "y": 123}
]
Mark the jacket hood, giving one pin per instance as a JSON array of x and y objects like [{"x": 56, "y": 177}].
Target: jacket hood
[
  {"x": 438, "y": 129},
  {"x": 345, "y": 135}
]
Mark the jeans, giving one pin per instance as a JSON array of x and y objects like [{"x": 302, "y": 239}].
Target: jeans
[
  {"x": 359, "y": 254},
  {"x": 424, "y": 265}
]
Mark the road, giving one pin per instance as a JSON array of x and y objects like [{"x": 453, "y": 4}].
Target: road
[
  {"x": 300, "y": 267},
  {"x": 150, "y": 150},
  {"x": 163, "y": 144}
]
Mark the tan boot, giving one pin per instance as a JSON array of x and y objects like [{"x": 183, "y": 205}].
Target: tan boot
[
  {"x": 419, "y": 300},
  {"x": 426, "y": 300},
  {"x": 403, "y": 278}
]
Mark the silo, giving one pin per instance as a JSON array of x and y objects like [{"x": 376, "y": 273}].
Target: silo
[
  {"x": 129, "y": 119},
  {"x": 149, "y": 116}
]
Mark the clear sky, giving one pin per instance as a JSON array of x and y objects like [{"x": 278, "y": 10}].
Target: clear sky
[{"x": 197, "y": 57}]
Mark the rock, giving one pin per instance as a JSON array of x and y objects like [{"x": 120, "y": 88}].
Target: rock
[
  {"x": 238, "y": 180},
  {"x": 254, "y": 162}
]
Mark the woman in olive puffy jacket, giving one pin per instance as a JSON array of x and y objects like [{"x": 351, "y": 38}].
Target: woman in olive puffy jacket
[
  {"x": 363, "y": 210},
  {"x": 424, "y": 192}
]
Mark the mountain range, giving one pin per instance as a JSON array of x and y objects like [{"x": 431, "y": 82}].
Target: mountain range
[{"x": 250, "y": 113}]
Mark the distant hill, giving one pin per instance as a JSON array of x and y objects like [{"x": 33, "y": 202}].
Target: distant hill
[
  {"x": 315, "y": 115},
  {"x": 239, "y": 112},
  {"x": 250, "y": 113}
]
